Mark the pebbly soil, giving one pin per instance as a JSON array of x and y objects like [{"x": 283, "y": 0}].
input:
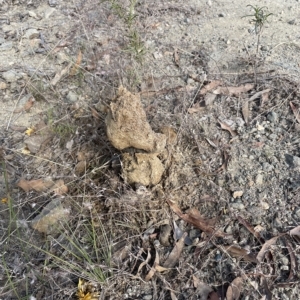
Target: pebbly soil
[{"x": 61, "y": 63}]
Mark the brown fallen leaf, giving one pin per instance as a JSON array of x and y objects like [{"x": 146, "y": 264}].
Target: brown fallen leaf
[
  {"x": 234, "y": 290},
  {"x": 29, "y": 103},
  {"x": 195, "y": 213},
  {"x": 245, "y": 111},
  {"x": 153, "y": 269},
  {"x": 240, "y": 253},
  {"x": 60, "y": 74},
  {"x": 251, "y": 229},
  {"x": 173, "y": 257},
  {"x": 295, "y": 111},
  {"x": 213, "y": 296},
  {"x": 39, "y": 185},
  {"x": 202, "y": 224},
  {"x": 173, "y": 296},
  {"x": 263, "y": 94},
  {"x": 60, "y": 188},
  {"x": 203, "y": 290},
  {"x": 268, "y": 293},
  {"x": 144, "y": 263},
  {"x": 293, "y": 260},
  {"x": 228, "y": 128},
  {"x": 74, "y": 69},
  {"x": 265, "y": 248},
  {"x": 234, "y": 91},
  {"x": 210, "y": 86},
  {"x": 295, "y": 231}
]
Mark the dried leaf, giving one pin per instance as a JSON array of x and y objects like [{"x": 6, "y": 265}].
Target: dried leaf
[
  {"x": 202, "y": 224},
  {"x": 60, "y": 74},
  {"x": 74, "y": 69},
  {"x": 60, "y": 188},
  {"x": 234, "y": 91},
  {"x": 160, "y": 269},
  {"x": 144, "y": 263},
  {"x": 261, "y": 93},
  {"x": 39, "y": 185},
  {"x": 240, "y": 253},
  {"x": 29, "y": 104},
  {"x": 213, "y": 296},
  {"x": 295, "y": 231},
  {"x": 265, "y": 248},
  {"x": 153, "y": 269},
  {"x": 245, "y": 111},
  {"x": 173, "y": 257},
  {"x": 173, "y": 296},
  {"x": 203, "y": 290},
  {"x": 195, "y": 108},
  {"x": 210, "y": 86},
  {"x": 266, "y": 288},
  {"x": 295, "y": 111},
  {"x": 293, "y": 260},
  {"x": 209, "y": 99},
  {"x": 26, "y": 106},
  {"x": 234, "y": 290},
  {"x": 228, "y": 128},
  {"x": 251, "y": 229}
]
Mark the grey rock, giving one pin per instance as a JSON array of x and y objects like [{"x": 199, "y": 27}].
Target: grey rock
[
  {"x": 31, "y": 34},
  {"x": 272, "y": 117},
  {"x": 52, "y": 3},
  {"x": 35, "y": 142},
  {"x": 10, "y": 76},
  {"x": 48, "y": 220},
  {"x": 147, "y": 297},
  {"x": 221, "y": 15},
  {"x": 72, "y": 97},
  {"x": 259, "y": 179},
  {"x": 6, "y": 46},
  {"x": 292, "y": 22},
  {"x": 237, "y": 205},
  {"x": 49, "y": 12}
]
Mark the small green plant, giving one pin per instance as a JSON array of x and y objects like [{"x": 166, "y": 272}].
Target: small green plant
[
  {"x": 135, "y": 46},
  {"x": 260, "y": 17}
]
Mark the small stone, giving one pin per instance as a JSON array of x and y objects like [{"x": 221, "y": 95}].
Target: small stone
[
  {"x": 292, "y": 22},
  {"x": 238, "y": 194},
  {"x": 31, "y": 34},
  {"x": 238, "y": 205},
  {"x": 52, "y": 3},
  {"x": 72, "y": 97},
  {"x": 265, "y": 205},
  {"x": 10, "y": 76},
  {"x": 221, "y": 15},
  {"x": 147, "y": 297},
  {"x": 272, "y": 117},
  {"x": 157, "y": 55},
  {"x": 49, "y": 12},
  {"x": 3, "y": 85},
  {"x": 6, "y": 46},
  {"x": 259, "y": 179},
  {"x": 48, "y": 220}
]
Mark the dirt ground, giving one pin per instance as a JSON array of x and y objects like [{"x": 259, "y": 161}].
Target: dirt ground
[{"x": 149, "y": 150}]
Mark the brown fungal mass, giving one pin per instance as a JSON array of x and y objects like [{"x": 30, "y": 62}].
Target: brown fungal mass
[
  {"x": 127, "y": 125},
  {"x": 142, "y": 168}
]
